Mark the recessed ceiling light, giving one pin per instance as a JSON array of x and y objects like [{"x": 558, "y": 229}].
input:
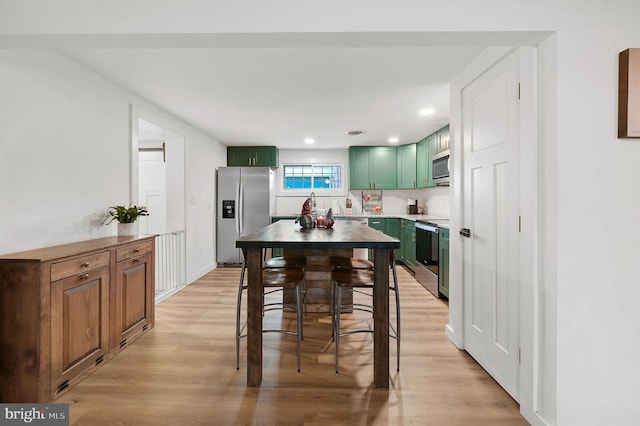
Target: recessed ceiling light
[
  {"x": 309, "y": 141},
  {"x": 393, "y": 140},
  {"x": 354, "y": 132},
  {"x": 424, "y": 112}
]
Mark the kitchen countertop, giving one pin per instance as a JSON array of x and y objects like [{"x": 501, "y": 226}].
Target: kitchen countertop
[{"x": 413, "y": 217}]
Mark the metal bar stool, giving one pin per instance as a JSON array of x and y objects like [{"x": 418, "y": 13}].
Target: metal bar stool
[
  {"x": 353, "y": 273},
  {"x": 299, "y": 262},
  {"x": 276, "y": 279}
]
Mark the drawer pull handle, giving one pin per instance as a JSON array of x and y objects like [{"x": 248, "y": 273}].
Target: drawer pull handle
[
  {"x": 84, "y": 277},
  {"x": 85, "y": 265},
  {"x": 136, "y": 260},
  {"x": 62, "y": 386},
  {"x": 137, "y": 250}
]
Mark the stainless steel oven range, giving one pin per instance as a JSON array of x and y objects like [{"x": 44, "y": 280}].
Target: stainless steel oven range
[{"x": 427, "y": 249}]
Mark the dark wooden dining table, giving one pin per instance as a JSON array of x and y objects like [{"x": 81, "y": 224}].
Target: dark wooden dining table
[{"x": 289, "y": 235}]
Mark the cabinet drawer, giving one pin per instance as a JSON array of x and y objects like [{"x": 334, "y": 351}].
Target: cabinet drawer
[
  {"x": 69, "y": 268},
  {"x": 132, "y": 251}
]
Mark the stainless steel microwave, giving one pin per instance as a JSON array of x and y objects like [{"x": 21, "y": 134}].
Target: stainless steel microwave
[{"x": 440, "y": 168}]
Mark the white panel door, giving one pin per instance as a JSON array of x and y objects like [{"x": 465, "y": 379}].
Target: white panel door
[
  {"x": 490, "y": 213},
  {"x": 152, "y": 193}
]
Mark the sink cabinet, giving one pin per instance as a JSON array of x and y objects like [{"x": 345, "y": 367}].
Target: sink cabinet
[{"x": 63, "y": 308}]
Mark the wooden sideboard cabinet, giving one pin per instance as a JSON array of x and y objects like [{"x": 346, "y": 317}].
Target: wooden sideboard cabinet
[
  {"x": 66, "y": 309},
  {"x": 134, "y": 297}
]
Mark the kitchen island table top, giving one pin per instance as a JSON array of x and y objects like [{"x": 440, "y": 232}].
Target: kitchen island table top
[{"x": 287, "y": 234}]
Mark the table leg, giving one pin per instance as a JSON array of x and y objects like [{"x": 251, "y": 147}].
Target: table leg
[
  {"x": 381, "y": 318},
  {"x": 254, "y": 317}
]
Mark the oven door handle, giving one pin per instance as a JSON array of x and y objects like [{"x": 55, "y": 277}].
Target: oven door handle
[{"x": 426, "y": 227}]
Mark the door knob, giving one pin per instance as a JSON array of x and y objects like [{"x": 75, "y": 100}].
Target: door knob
[{"x": 465, "y": 232}]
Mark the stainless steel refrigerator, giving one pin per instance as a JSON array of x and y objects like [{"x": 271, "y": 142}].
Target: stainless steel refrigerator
[{"x": 245, "y": 201}]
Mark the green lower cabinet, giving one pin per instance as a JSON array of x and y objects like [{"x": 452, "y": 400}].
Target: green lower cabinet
[
  {"x": 443, "y": 263},
  {"x": 393, "y": 227},
  {"x": 388, "y": 225},
  {"x": 378, "y": 224},
  {"x": 402, "y": 252},
  {"x": 409, "y": 244},
  {"x": 393, "y": 230},
  {"x": 407, "y": 252}
]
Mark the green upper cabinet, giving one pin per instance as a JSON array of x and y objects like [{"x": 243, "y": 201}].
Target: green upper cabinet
[
  {"x": 406, "y": 166},
  {"x": 423, "y": 162},
  {"x": 433, "y": 144},
  {"x": 252, "y": 156},
  {"x": 442, "y": 140},
  {"x": 372, "y": 167},
  {"x": 403, "y": 167},
  {"x": 383, "y": 167},
  {"x": 359, "y": 165}
]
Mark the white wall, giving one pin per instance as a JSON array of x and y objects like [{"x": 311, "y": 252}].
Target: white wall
[
  {"x": 594, "y": 217},
  {"x": 65, "y": 149},
  {"x": 203, "y": 158}
]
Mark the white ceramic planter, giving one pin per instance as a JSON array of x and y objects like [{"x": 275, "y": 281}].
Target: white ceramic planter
[{"x": 127, "y": 229}]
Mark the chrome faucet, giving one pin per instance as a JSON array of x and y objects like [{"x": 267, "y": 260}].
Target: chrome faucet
[{"x": 313, "y": 203}]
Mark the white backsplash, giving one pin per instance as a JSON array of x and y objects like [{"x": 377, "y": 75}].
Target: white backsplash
[
  {"x": 437, "y": 201},
  {"x": 434, "y": 200}
]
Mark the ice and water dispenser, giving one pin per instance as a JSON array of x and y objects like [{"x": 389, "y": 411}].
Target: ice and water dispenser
[{"x": 228, "y": 209}]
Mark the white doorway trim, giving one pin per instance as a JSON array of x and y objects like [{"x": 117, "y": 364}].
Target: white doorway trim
[
  {"x": 530, "y": 374},
  {"x": 170, "y": 231}
]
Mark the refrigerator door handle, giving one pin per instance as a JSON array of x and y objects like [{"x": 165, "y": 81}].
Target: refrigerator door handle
[
  {"x": 241, "y": 208},
  {"x": 238, "y": 208}
]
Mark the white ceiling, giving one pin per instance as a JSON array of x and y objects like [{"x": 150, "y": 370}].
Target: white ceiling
[{"x": 280, "y": 96}]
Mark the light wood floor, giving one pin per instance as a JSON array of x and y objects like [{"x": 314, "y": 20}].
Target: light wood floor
[{"x": 183, "y": 371}]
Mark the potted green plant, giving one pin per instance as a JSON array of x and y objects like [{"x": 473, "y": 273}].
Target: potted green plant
[{"x": 126, "y": 218}]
